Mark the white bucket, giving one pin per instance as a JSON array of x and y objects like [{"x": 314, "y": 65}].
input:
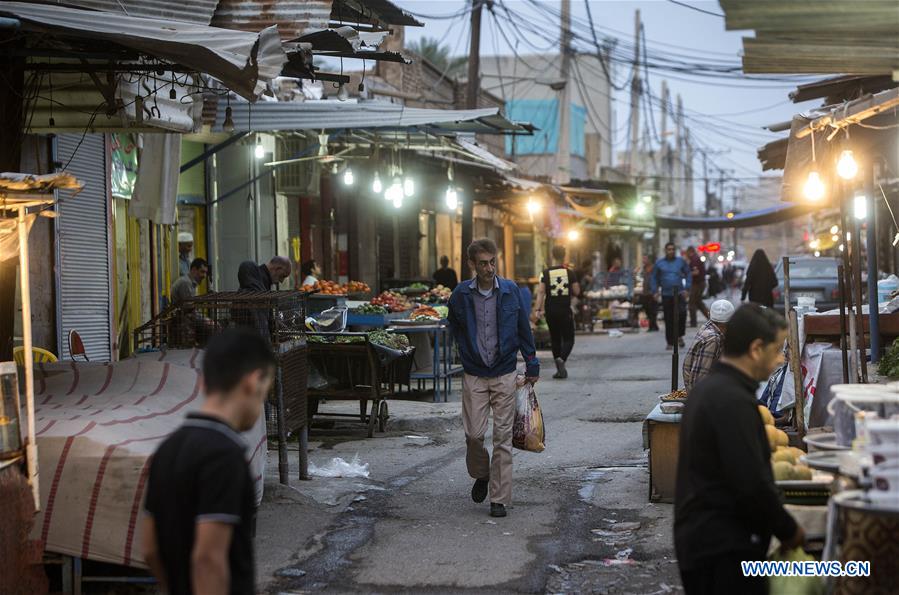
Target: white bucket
[{"x": 849, "y": 399}]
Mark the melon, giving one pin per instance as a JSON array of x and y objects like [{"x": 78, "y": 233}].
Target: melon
[
  {"x": 771, "y": 433},
  {"x": 767, "y": 418},
  {"x": 781, "y": 438},
  {"x": 783, "y": 471},
  {"x": 783, "y": 454}
]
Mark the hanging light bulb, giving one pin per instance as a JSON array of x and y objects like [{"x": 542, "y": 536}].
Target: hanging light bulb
[
  {"x": 259, "y": 151},
  {"x": 395, "y": 192},
  {"x": 348, "y": 176},
  {"x": 834, "y": 229},
  {"x": 639, "y": 209},
  {"x": 534, "y": 207},
  {"x": 847, "y": 168},
  {"x": 452, "y": 198},
  {"x": 814, "y": 187},
  {"x": 342, "y": 93},
  {"x": 574, "y": 235},
  {"x": 376, "y": 184},
  {"x": 408, "y": 186},
  {"x": 228, "y": 126},
  {"x": 398, "y": 201},
  {"x": 608, "y": 211}
]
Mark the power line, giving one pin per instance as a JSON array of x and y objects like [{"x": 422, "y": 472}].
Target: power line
[{"x": 697, "y": 9}]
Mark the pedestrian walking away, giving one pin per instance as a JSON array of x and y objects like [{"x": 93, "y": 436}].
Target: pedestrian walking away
[
  {"x": 558, "y": 285},
  {"x": 648, "y": 297},
  {"x": 726, "y": 505},
  {"x": 697, "y": 285},
  {"x": 198, "y": 530},
  {"x": 708, "y": 344},
  {"x": 671, "y": 278},
  {"x": 489, "y": 322},
  {"x": 760, "y": 280}
]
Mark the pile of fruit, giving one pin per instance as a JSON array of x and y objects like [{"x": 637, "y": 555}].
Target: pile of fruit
[
  {"x": 332, "y": 288},
  {"x": 784, "y": 459},
  {"x": 438, "y": 295},
  {"x": 425, "y": 314},
  {"x": 394, "y": 302},
  {"x": 369, "y": 309},
  {"x": 678, "y": 395}
]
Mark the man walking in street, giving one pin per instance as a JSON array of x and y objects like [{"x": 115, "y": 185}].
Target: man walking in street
[
  {"x": 648, "y": 297},
  {"x": 557, "y": 286},
  {"x": 671, "y": 276},
  {"x": 489, "y": 322},
  {"x": 726, "y": 503},
  {"x": 197, "y": 533},
  {"x": 697, "y": 285},
  {"x": 708, "y": 344}
]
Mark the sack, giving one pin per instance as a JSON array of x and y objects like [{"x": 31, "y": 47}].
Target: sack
[
  {"x": 795, "y": 585},
  {"x": 527, "y": 432}
]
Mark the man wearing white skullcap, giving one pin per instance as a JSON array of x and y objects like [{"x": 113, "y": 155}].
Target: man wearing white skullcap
[
  {"x": 185, "y": 247},
  {"x": 707, "y": 346}
]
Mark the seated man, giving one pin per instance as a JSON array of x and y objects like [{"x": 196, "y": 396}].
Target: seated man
[
  {"x": 186, "y": 285},
  {"x": 191, "y": 327},
  {"x": 706, "y": 348}
]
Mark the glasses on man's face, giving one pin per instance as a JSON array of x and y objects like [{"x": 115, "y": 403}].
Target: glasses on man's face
[{"x": 483, "y": 264}]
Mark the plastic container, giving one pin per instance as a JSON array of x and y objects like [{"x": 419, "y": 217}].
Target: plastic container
[
  {"x": 883, "y": 431},
  {"x": 885, "y": 287},
  {"x": 884, "y": 454},
  {"x": 885, "y": 478},
  {"x": 850, "y": 399}
]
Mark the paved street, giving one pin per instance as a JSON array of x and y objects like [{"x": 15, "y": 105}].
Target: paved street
[{"x": 581, "y": 521}]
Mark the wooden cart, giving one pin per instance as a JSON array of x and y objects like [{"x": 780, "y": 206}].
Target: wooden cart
[{"x": 355, "y": 371}]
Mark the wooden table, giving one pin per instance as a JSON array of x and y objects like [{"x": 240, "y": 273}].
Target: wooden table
[
  {"x": 661, "y": 435},
  {"x": 827, "y": 326}
]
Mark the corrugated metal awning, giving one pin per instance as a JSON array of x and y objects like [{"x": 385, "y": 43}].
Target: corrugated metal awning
[
  {"x": 189, "y": 11},
  {"x": 274, "y": 116},
  {"x": 239, "y": 60}
]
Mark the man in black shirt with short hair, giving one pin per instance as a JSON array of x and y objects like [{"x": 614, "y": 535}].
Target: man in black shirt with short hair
[
  {"x": 557, "y": 286},
  {"x": 726, "y": 504},
  {"x": 197, "y": 534}
]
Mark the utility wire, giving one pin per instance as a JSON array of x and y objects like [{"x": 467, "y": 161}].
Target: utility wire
[{"x": 697, "y": 9}]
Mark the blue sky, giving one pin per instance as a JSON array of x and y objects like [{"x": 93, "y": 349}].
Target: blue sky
[{"x": 723, "y": 114}]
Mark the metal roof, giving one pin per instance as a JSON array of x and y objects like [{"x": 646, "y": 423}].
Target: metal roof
[
  {"x": 293, "y": 17},
  {"x": 382, "y": 12},
  {"x": 239, "y": 60},
  {"x": 273, "y": 116},
  {"x": 188, "y": 11},
  {"x": 842, "y": 88}
]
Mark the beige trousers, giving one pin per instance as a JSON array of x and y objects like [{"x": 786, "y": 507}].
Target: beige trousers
[{"x": 479, "y": 396}]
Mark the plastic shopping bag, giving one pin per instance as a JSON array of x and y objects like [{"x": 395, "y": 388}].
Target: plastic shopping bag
[
  {"x": 795, "y": 585},
  {"x": 528, "y": 432}
]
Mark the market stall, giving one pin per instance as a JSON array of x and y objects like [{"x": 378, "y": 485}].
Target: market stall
[
  {"x": 364, "y": 367},
  {"x": 610, "y": 301},
  {"x": 661, "y": 436}
]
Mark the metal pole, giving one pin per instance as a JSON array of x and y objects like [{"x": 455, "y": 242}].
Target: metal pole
[
  {"x": 847, "y": 283},
  {"x": 788, "y": 304},
  {"x": 635, "y": 100},
  {"x": 856, "y": 244},
  {"x": 871, "y": 243},
  {"x": 473, "y": 90},
  {"x": 563, "y": 154},
  {"x": 844, "y": 348},
  {"x": 31, "y": 447}
]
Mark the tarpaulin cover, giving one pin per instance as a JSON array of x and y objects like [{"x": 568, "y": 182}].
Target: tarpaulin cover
[
  {"x": 9, "y": 236},
  {"x": 97, "y": 425}
]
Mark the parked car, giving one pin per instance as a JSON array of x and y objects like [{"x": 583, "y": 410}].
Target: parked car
[{"x": 809, "y": 277}]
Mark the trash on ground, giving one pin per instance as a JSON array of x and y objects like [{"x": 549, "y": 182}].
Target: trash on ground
[
  {"x": 291, "y": 572},
  {"x": 337, "y": 467},
  {"x": 615, "y": 333},
  {"x": 626, "y": 526}
]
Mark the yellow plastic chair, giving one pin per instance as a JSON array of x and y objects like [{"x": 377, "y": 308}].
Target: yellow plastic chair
[{"x": 37, "y": 354}]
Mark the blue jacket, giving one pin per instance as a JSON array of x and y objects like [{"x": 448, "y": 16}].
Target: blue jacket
[
  {"x": 514, "y": 331},
  {"x": 669, "y": 274}
]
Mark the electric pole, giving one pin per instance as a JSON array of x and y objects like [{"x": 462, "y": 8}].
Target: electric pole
[
  {"x": 563, "y": 153},
  {"x": 708, "y": 197},
  {"x": 635, "y": 99},
  {"x": 681, "y": 154},
  {"x": 474, "y": 89}
]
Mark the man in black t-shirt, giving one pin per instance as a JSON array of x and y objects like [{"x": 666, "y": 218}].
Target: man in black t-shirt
[
  {"x": 197, "y": 533},
  {"x": 445, "y": 275},
  {"x": 557, "y": 286}
]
